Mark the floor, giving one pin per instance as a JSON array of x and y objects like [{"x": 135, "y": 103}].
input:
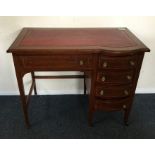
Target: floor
[{"x": 65, "y": 117}]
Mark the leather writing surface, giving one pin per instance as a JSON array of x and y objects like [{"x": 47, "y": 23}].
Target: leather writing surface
[{"x": 116, "y": 38}]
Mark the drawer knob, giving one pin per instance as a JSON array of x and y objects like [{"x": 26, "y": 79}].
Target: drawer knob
[
  {"x": 81, "y": 62},
  {"x": 128, "y": 77},
  {"x": 124, "y": 106},
  {"x": 132, "y": 63},
  {"x": 103, "y": 78},
  {"x": 126, "y": 92},
  {"x": 101, "y": 92},
  {"x": 105, "y": 64}
]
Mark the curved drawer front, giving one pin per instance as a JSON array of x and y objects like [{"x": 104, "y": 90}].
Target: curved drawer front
[
  {"x": 117, "y": 62},
  {"x": 112, "y": 77},
  {"x": 113, "y": 92},
  {"x": 57, "y": 62},
  {"x": 110, "y": 105}
]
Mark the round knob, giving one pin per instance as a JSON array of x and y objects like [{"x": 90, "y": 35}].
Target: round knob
[
  {"x": 105, "y": 64},
  {"x": 103, "y": 78},
  {"x": 101, "y": 92},
  {"x": 81, "y": 62},
  {"x": 126, "y": 92},
  {"x": 128, "y": 77},
  {"x": 132, "y": 63},
  {"x": 124, "y": 106}
]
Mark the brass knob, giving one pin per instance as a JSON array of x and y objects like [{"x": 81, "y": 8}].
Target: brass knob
[
  {"x": 132, "y": 63},
  {"x": 103, "y": 78},
  {"x": 105, "y": 64},
  {"x": 81, "y": 62},
  {"x": 126, "y": 92},
  {"x": 128, "y": 77},
  {"x": 124, "y": 106},
  {"x": 101, "y": 92}
]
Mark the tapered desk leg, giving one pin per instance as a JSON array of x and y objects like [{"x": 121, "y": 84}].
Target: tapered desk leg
[
  {"x": 91, "y": 101},
  {"x": 33, "y": 78},
  {"x": 91, "y": 109},
  {"x": 90, "y": 118},
  {"x": 84, "y": 85},
  {"x": 23, "y": 99},
  {"x": 126, "y": 116}
]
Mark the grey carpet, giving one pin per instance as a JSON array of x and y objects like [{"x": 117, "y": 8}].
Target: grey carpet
[{"x": 65, "y": 116}]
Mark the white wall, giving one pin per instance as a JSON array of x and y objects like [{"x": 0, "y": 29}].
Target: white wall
[{"x": 143, "y": 27}]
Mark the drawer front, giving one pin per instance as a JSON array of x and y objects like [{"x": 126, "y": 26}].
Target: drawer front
[
  {"x": 110, "y": 105},
  {"x": 113, "y": 77},
  {"x": 117, "y": 62},
  {"x": 113, "y": 92},
  {"x": 66, "y": 62}
]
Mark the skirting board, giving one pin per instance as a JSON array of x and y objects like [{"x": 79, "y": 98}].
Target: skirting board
[{"x": 58, "y": 92}]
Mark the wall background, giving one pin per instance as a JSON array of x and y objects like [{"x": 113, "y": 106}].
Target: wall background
[{"x": 143, "y": 27}]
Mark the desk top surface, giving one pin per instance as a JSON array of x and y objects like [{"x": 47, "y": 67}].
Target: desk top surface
[{"x": 86, "y": 39}]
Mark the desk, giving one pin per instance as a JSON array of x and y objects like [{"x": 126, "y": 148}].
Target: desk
[{"x": 110, "y": 58}]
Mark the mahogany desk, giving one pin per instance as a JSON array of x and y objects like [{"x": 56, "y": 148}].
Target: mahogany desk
[{"x": 110, "y": 58}]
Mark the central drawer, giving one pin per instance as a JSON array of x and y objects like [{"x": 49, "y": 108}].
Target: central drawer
[{"x": 66, "y": 62}]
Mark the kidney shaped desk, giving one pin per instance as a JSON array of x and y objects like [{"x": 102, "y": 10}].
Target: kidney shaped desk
[{"x": 110, "y": 58}]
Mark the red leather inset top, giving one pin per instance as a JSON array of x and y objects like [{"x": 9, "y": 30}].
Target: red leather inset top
[{"x": 115, "y": 38}]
